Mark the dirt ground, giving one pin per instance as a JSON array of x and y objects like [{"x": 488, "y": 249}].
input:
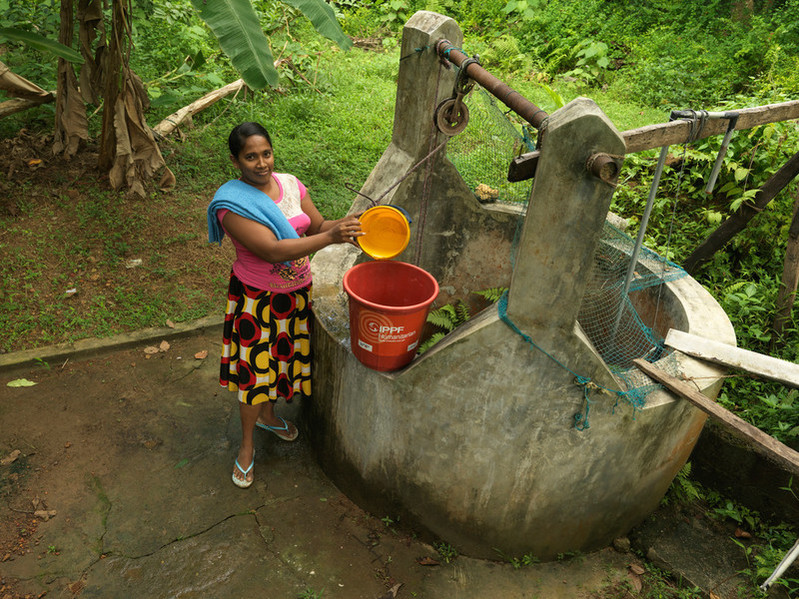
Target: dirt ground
[
  {"x": 115, "y": 482},
  {"x": 82, "y": 261}
]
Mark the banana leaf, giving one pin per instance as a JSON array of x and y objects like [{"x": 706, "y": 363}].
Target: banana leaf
[
  {"x": 236, "y": 26},
  {"x": 323, "y": 18},
  {"x": 38, "y": 42}
]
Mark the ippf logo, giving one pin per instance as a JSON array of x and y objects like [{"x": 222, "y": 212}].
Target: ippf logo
[{"x": 379, "y": 328}]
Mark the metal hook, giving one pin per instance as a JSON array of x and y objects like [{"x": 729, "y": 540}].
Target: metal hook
[{"x": 353, "y": 190}]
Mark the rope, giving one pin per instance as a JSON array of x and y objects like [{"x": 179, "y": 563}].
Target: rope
[
  {"x": 416, "y": 52},
  {"x": 580, "y": 419},
  {"x": 428, "y": 175},
  {"x": 696, "y": 128}
]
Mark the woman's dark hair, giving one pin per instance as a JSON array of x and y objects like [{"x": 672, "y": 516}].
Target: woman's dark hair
[{"x": 238, "y": 137}]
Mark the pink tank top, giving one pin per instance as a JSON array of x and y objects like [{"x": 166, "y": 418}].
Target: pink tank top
[{"x": 258, "y": 273}]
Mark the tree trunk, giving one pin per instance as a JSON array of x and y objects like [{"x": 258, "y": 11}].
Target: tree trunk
[
  {"x": 742, "y": 10},
  {"x": 790, "y": 278},
  {"x": 738, "y": 221},
  {"x": 112, "y": 68},
  {"x": 128, "y": 149},
  {"x": 91, "y": 32},
  {"x": 71, "y": 125}
]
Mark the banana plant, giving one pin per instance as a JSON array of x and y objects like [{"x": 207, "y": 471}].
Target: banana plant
[{"x": 235, "y": 25}]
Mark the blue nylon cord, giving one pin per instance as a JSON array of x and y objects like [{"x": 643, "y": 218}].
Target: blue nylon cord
[{"x": 580, "y": 419}]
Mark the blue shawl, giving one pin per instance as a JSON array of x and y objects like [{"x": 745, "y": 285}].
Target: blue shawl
[{"x": 249, "y": 202}]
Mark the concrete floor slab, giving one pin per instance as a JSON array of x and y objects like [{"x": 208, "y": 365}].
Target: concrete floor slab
[{"x": 134, "y": 455}]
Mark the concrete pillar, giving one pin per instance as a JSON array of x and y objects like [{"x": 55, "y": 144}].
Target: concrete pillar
[
  {"x": 449, "y": 226},
  {"x": 567, "y": 211},
  {"x": 421, "y": 84}
]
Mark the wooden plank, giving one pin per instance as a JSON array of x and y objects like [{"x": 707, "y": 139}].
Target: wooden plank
[
  {"x": 171, "y": 122},
  {"x": 677, "y": 132},
  {"x": 523, "y": 167},
  {"x": 764, "y": 444},
  {"x": 767, "y": 367},
  {"x": 19, "y": 104}
]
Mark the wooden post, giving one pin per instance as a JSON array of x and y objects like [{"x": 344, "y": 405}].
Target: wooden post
[
  {"x": 738, "y": 221},
  {"x": 790, "y": 278}
]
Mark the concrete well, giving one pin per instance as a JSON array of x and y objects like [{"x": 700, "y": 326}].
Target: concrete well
[{"x": 474, "y": 442}]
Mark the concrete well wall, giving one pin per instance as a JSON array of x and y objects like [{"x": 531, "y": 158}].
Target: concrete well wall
[{"x": 474, "y": 442}]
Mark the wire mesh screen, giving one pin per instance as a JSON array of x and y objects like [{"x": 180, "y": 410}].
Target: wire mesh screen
[{"x": 483, "y": 151}]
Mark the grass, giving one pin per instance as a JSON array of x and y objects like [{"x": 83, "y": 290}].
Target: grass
[{"x": 63, "y": 229}]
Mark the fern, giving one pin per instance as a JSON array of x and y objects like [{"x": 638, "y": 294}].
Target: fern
[
  {"x": 432, "y": 341},
  {"x": 447, "y": 318},
  {"x": 462, "y": 313},
  {"x": 506, "y": 54},
  {"x": 444, "y": 317},
  {"x": 492, "y": 294},
  {"x": 450, "y": 316}
]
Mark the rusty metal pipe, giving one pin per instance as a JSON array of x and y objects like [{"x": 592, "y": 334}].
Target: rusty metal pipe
[
  {"x": 501, "y": 91},
  {"x": 604, "y": 166}
]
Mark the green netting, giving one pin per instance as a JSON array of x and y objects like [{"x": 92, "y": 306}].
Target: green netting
[
  {"x": 484, "y": 150},
  {"x": 608, "y": 315}
]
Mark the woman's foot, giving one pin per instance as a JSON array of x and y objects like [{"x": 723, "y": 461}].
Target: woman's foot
[
  {"x": 277, "y": 425},
  {"x": 244, "y": 476}
]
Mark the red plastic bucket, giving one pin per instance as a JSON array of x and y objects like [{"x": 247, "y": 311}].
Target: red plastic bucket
[{"x": 389, "y": 302}]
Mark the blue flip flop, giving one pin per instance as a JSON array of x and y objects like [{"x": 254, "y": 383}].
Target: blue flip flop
[
  {"x": 244, "y": 483},
  {"x": 280, "y": 431}
]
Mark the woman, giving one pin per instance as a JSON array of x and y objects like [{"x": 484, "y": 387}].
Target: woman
[{"x": 274, "y": 226}]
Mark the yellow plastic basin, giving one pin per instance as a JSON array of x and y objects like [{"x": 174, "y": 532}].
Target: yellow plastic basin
[{"x": 386, "y": 232}]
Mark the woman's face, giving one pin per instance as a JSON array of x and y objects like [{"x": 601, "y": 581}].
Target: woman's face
[{"x": 255, "y": 161}]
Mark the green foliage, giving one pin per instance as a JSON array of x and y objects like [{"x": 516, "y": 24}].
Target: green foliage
[
  {"x": 504, "y": 53},
  {"x": 450, "y": 316},
  {"x": 35, "y": 16},
  {"x": 674, "y": 55},
  {"x": 769, "y": 542},
  {"x": 238, "y": 30},
  {"x": 592, "y": 62},
  {"x": 521, "y": 562},
  {"x": 683, "y": 489},
  {"x": 384, "y": 14},
  {"x": 492, "y": 294},
  {"x": 446, "y": 318},
  {"x": 446, "y": 551},
  {"x": 38, "y": 42},
  {"x": 323, "y": 18},
  {"x": 524, "y": 9}
]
